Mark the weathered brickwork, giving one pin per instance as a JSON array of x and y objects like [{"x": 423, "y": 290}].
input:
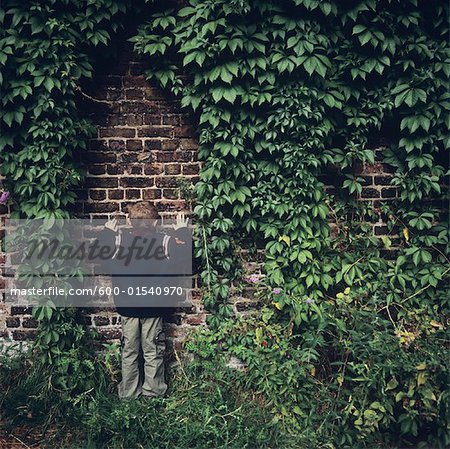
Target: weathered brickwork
[
  {"x": 4, "y": 312},
  {"x": 144, "y": 148}
]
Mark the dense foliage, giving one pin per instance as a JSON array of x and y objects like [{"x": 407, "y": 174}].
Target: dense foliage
[
  {"x": 204, "y": 409},
  {"x": 45, "y": 51},
  {"x": 352, "y": 336},
  {"x": 285, "y": 91}
]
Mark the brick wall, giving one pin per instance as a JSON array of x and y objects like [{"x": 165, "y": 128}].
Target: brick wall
[
  {"x": 144, "y": 147},
  {"x": 4, "y": 311}
]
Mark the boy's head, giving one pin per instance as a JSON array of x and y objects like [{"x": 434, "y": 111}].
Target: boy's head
[{"x": 142, "y": 214}]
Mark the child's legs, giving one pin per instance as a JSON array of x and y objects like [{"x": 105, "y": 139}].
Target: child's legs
[
  {"x": 131, "y": 338},
  {"x": 153, "y": 347}
]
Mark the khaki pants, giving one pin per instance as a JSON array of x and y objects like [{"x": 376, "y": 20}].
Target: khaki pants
[{"x": 142, "y": 335}]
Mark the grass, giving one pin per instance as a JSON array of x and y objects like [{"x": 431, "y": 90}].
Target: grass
[{"x": 203, "y": 409}]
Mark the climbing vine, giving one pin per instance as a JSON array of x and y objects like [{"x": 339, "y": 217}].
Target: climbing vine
[
  {"x": 46, "y": 50},
  {"x": 285, "y": 92}
]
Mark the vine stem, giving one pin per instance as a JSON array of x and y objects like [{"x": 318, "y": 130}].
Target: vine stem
[
  {"x": 352, "y": 265},
  {"x": 418, "y": 292},
  {"x": 96, "y": 100}
]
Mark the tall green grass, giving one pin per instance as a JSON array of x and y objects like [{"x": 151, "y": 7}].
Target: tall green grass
[{"x": 204, "y": 409}]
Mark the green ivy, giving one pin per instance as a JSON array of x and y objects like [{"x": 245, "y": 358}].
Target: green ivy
[
  {"x": 285, "y": 92},
  {"x": 46, "y": 50}
]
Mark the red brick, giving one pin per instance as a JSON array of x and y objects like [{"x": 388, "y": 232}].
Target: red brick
[
  {"x": 151, "y": 194},
  {"x": 389, "y": 192},
  {"x": 383, "y": 180},
  {"x": 116, "y": 194},
  {"x": 137, "y": 182},
  {"x": 381, "y": 230},
  {"x": 153, "y": 119},
  {"x": 186, "y": 119},
  {"x": 97, "y": 144},
  {"x": 138, "y": 107},
  {"x": 172, "y": 169},
  {"x": 172, "y": 331},
  {"x": 134, "y": 145},
  {"x": 12, "y": 322},
  {"x": 133, "y": 194},
  {"x": 370, "y": 193},
  {"x": 135, "y": 170},
  {"x": 115, "y": 95},
  {"x": 171, "y": 194},
  {"x": 117, "y": 145},
  {"x": 191, "y": 169},
  {"x": 136, "y": 68},
  {"x": 110, "y": 334},
  {"x": 134, "y": 81},
  {"x": 373, "y": 168},
  {"x": 166, "y": 181},
  {"x": 171, "y": 119},
  {"x": 117, "y": 132},
  {"x": 114, "y": 169},
  {"x": 102, "y": 182},
  {"x": 117, "y": 120},
  {"x": 115, "y": 320},
  {"x": 97, "y": 170},
  {"x": 171, "y": 206},
  {"x": 153, "y": 169},
  {"x": 152, "y": 144},
  {"x": 134, "y": 120},
  {"x": 244, "y": 306},
  {"x": 153, "y": 94},
  {"x": 188, "y": 144},
  {"x": 24, "y": 335},
  {"x": 98, "y": 195},
  {"x": 155, "y": 131},
  {"x": 101, "y": 320},
  {"x": 134, "y": 94},
  {"x": 170, "y": 144},
  {"x": 184, "y": 156},
  {"x": 195, "y": 319},
  {"x": 130, "y": 157},
  {"x": 165, "y": 156},
  {"x": 29, "y": 323},
  {"x": 178, "y": 345},
  {"x": 100, "y": 158},
  {"x": 184, "y": 131},
  {"x": 21, "y": 310},
  {"x": 101, "y": 207},
  {"x": 387, "y": 169}
]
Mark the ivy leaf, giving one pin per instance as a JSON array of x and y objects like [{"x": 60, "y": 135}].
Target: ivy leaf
[
  {"x": 226, "y": 76},
  {"x": 217, "y": 94},
  {"x": 286, "y": 239},
  {"x": 229, "y": 95},
  {"x": 49, "y": 84}
]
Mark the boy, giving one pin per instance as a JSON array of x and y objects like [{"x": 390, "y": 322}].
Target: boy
[{"x": 142, "y": 327}]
